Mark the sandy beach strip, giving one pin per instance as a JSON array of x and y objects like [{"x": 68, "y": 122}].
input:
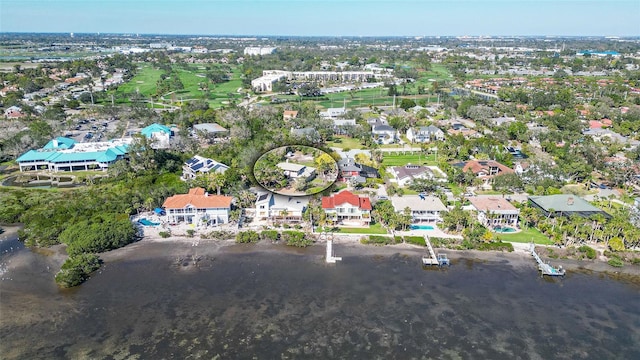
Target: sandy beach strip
[{"x": 152, "y": 245}]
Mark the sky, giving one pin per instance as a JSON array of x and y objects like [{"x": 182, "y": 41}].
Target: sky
[{"x": 326, "y": 17}]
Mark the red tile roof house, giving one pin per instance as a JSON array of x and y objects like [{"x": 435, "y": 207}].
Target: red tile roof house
[
  {"x": 13, "y": 112},
  {"x": 198, "y": 207},
  {"x": 486, "y": 169},
  {"x": 289, "y": 114},
  {"x": 495, "y": 211},
  {"x": 347, "y": 208}
]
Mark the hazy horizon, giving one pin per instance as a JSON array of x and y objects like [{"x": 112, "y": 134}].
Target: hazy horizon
[{"x": 329, "y": 18}]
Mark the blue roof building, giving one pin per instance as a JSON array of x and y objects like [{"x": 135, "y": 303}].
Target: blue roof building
[{"x": 63, "y": 154}]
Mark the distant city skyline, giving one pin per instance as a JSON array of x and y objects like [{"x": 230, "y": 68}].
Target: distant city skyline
[{"x": 326, "y": 18}]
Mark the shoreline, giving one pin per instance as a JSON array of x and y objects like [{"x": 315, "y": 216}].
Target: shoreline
[
  {"x": 180, "y": 248},
  {"x": 346, "y": 246}
]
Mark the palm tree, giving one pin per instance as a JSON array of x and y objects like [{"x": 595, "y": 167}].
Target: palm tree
[
  {"x": 283, "y": 213},
  {"x": 216, "y": 180}
]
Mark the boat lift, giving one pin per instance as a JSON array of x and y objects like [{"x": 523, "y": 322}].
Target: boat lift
[{"x": 546, "y": 268}]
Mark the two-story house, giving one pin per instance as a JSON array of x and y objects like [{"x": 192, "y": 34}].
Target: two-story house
[
  {"x": 161, "y": 134},
  {"x": 383, "y": 133},
  {"x": 422, "y": 134},
  {"x": 495, "y": 212},
  {"x": 347, "y": 208},
  {"x": 201, "y": 165},
  {"x": 350, "y": 171},
  {"x": 198, "y": 207},
  {"x": 280, "y": 208},
  {"x": 485, "y": 169},
  {"x": 424, "y": 209}
]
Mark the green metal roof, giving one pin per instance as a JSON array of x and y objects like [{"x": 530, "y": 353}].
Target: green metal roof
[{"x": 563, "y": 203}]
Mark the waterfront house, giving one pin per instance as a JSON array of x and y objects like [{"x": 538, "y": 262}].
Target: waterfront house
[
  {"x": 424, "y": 209},
  {"x": 198, "y": 207},
  {"x": 347, "y": 208},
  {"x": 495, "y": 211},
  {"x": 201, "y": 165},
  {"x": 565, "y": 205},
  {"x": 280, "y": 208}
]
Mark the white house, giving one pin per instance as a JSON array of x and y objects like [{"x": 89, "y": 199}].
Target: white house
[
  {"x": 201, "y": 165},
  {"x": 404, "y": 175},
  {"x": 346, "y": 207},
  {"x": 198, "y": 207},
  {"x": 383, "y": 134},
  {"x": 340, "y": 125},
  {"x": 424, "y": 134},
  {"x": 276, "y": 207},
  {"x": 159, "y": 133},
  {"x": 295, "y": 171},
  {"x": 211, "y": 129},
  {"x": 333, "y": 113},
  {"x": 495, "y": 211},
  {"x": 423, "y": 208},
  {"x": 255, "y": 50}
]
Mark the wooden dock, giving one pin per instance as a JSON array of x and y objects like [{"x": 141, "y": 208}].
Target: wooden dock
[
  {"x": 546, "y": 268},
  {"x": 432, "y": 258}
]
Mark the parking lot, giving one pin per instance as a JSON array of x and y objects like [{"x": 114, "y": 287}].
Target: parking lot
[{"x": 94, "y": 130}]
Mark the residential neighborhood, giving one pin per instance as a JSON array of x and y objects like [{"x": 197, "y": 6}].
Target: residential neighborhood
[
  {"x": 468, "y": 144},
  {"x": 289, "y": 179}
]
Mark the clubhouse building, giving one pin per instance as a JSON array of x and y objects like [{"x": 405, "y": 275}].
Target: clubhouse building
[{"x": 64, "y": 154}]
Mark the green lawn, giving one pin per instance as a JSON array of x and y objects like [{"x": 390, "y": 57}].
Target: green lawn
[
  {"x": 144, "y": 82},
  {"x": 373, "y": 229},
  {"x": 526, "y": 236},
  {"x": 146, "y": 78},
  {"x": 418, "y": 158},
  {"x": 438, "y": 72},
  {"x": 345, "y": 143},
  {"x": 488, "y": 192}
]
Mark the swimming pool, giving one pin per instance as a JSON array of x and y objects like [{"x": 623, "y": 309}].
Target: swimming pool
[
  {"x": 504, "y": 229},
  {"x": 146, "y": 222},
  {"x": 421, "y": 227}
]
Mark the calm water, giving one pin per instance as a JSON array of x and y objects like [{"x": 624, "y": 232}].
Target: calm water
[{"x": 270, "y": 305}]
